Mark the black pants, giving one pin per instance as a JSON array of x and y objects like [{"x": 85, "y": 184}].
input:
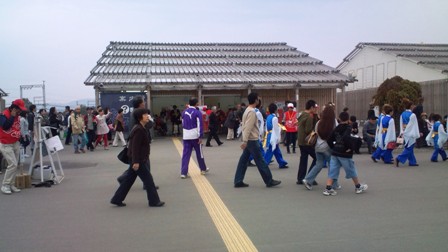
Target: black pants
[
  {"x": 213, "y": 133},
  {"x": 369, "y": 140},
  {"x": 304, "y": 152},
  {"x": 128, "y": 180},
  {"x": 291, "y": 138},
  {"x": 69, "y": 136},
  {"x": 91, "y": 137}
]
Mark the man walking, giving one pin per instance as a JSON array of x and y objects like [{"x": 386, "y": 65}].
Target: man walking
[
  {"x": 213, "y": 126},
  {"x": 250, "y": 146},
  {"x": 192, "y": 136},
  {"x": 9, "y": 143},
  {"x": 306, "y": 125}
]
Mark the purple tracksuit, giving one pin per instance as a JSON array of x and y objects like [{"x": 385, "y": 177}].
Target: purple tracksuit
[{"x": 192, "y": 132}]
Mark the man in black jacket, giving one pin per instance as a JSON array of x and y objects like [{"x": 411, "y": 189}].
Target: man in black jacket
[{"x": 213, "y": 126}]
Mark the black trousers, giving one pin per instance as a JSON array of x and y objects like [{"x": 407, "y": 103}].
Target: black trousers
[
  {"x": 305, "y": 151},
  {"x": 128, "y": 179},
  {"x": 69, "y": 136},
  {"x": 291, "y": 138},
  {"x": 91, "y": 137},
  {"x": 213, "y": 133}
]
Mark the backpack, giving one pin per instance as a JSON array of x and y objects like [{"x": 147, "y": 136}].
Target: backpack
[{"x": 339, "y": 142}]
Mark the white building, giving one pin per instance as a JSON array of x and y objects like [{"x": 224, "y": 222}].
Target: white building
[{"x": 372, "y": 63}]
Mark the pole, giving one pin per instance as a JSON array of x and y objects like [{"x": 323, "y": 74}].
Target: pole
[{"x": 43, "y": 94}]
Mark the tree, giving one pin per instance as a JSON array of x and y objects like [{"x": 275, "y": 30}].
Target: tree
[{"x": 392, "y": 91}]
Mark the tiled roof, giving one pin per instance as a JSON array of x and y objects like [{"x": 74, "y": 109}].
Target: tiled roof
[
  {"x": 433, "y": 56},
  {"x": 158, "y": 64}
]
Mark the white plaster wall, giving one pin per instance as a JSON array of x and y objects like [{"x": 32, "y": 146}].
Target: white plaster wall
[{"x": 372, "y": 67}]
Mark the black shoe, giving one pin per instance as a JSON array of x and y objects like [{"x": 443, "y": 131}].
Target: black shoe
[
  {"x": 220, "y": 144},
  {"x": 299, "y": 182},
  {"x": 357, "y": 152},
  {"x": 241, "y": 184},
  {"x": 315, "y": 183},
  {"x": 397, "y": 163},
  {"x": 157, "y": 187},
  {"x": 120, "y": 180},
  {"x": 414, "y": 165},
  {"x": 161, "y": 203},
  {"x": 208, "y": 145},
  {"x": 445, "y": 159},
  {"x": 118, "y": 204},
  {"x": 274, "y": 183},
  {"x": 374, "y": 160},
  {"x": 434, "y": 161},
  {"x": 251, "y": 164},
  {"x": 284, "y": 167}
]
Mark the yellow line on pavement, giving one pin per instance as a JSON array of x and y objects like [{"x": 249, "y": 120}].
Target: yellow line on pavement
[{"x": 231, "y": 232}]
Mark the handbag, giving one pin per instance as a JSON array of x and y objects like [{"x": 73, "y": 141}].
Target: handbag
[
  {"x": 123, "y": 155},
  {"x": 391, "y": 146},
  {"x": 400, "y": 140},
  {"x": 311, "y": 139}
]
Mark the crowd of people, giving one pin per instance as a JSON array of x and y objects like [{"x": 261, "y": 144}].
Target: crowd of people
[{"x": 263, "y": 133}]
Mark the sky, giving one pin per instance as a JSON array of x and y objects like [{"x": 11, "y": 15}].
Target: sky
[{"x": 59, "y": 42}]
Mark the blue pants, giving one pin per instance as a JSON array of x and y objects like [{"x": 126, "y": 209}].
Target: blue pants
[
  {"x": 278, "y": 156},
  {"x": 386, "y": 155},
  {"x": 407, "y": 154},
  {"x": 321, "y": 159},
  {"x": 437, "y": 150},
  {"x": 252, "y": 148},
  {"x": 262, "y": 152}
]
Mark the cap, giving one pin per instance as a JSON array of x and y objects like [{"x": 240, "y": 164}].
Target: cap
[
  {"x": 290, "y": 105},
  {"x": 19, "y": 103}
]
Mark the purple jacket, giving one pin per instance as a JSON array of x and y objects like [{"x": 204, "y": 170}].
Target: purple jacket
[{"x": 192, "y": 124}]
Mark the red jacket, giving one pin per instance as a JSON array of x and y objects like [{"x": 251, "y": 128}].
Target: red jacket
[
  {"x": 291, "y": 121},
  {"x": 10, "y": 128}
]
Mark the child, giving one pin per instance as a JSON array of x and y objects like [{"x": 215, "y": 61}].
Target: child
[
  {"x": 340, "y": 143},
  {"x": 437, "y": 137}
]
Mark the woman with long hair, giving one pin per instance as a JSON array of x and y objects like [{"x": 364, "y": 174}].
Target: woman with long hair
[
  {"x": 387, "y": 135},
  {"x": 324, "y": 127},
  {"x": 54, "y": 121}
]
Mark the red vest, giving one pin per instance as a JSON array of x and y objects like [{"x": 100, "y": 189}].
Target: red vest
[
  {"x": 11, "y": 135},
  {"x": 291, "y": 121}
]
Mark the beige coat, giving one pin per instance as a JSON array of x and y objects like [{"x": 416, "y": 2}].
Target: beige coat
[{"x": 77, "y": 123}]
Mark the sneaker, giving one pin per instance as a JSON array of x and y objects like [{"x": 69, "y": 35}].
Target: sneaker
[
  {"x": 330, "y": 192},
  {"x": 82, "y": 150},
  {"x": 15, "y": 189},
  {"x": 183, "y": 176},
  {"x": 77, "y": 152},
  {"x": 361, "y": 189},
  {"x": 204, "y": 172},
  {"x": 6, "y": 189},
  {"x": 307, "y": 185},
  {"x": 338, "y": 187}
]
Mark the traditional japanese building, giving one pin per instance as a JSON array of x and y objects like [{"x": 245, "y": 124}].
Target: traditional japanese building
[
  {"x": 219, "y": 74},
  {"x": 372, "y": 63}
]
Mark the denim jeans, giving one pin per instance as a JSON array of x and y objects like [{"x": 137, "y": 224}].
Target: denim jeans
[
  {"x": 252, "y": 148},
  {"x": 321, "y": 159},
  {"x": 75, "y": 139},
  {"x": 346, "y": 163}
]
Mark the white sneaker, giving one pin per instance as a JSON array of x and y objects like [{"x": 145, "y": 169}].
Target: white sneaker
[
  {"x": 204, "y": 172},
  {"x": 6, "y": 189},
  {"x": 361, "y": 189},
  {"x": 15, "y": 189},
  {"x": 183, "y": 176},
  {"x": 307, "y": 185},
  {"x": 330, "y": 192}
]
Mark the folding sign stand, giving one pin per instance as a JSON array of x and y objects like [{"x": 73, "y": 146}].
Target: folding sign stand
[{"x": 51, "y": 150}]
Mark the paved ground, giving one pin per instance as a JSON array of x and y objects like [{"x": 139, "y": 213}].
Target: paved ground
[{"x": 405, "y": 209}]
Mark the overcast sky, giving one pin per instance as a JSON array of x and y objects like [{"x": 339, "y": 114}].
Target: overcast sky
[{"x": 61, "y": 41}]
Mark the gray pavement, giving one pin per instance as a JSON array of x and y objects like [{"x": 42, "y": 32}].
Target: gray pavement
[{"x": 405, "y": 208}]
